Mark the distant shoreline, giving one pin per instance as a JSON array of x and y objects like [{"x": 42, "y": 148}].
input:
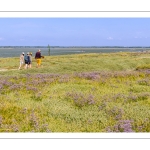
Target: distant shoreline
[
  {"x": 16, "y": 51},
  {"x": 103, "y": 47}
]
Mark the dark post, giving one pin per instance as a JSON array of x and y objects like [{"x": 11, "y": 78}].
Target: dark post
[{"x": 48, "y": 50}]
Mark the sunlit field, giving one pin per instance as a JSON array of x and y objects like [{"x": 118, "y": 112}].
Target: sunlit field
[{"x": 105, "y": 92}]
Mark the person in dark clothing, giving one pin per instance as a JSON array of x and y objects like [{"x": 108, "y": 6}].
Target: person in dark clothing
[
  {"x": 30, "y": 55},
  {"x": 38, "y": 58},
  {"x": 27, "y": 60}
]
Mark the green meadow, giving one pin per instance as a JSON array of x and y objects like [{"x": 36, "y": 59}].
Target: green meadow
[{"x": 103, "y": 92}]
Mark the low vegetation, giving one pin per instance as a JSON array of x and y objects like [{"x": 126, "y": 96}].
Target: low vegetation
[{"x": 77, "y": 93}]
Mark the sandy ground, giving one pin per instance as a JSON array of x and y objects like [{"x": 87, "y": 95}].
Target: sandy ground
[{"x": 7, "y": 69}]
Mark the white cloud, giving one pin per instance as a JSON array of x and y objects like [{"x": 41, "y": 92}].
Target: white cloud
[
  {"x": 1, "y": 39},
  {"x": 109, "y": 38}
]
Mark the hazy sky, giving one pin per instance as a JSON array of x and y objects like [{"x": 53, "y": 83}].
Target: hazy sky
[{"x": 75, "y": 31}]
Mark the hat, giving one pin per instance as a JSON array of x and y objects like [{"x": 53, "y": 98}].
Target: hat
[
  {"x": 27, "y": 53},
  {"x": 22, "y": 52}
]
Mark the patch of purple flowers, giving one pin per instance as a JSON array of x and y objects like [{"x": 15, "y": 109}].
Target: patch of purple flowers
[
  {"x": 121, "y": 126},
  {"x": 15, "y": 87},
  {"x": 34, "y": 121},
  {"x": 90, "y": 75},
  {"x": 81, "y": 99}
]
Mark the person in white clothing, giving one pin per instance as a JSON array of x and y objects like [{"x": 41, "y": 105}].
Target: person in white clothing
[{"x": 21, "y": 60}]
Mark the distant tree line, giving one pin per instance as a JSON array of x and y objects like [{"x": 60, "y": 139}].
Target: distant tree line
[{"x": 75, "y": 46}]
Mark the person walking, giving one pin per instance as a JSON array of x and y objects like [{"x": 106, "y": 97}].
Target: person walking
[
  {"x": 27, "y": 61},
  {"x": 30, "y": 64},
  {"x": 21, "y": 60},
  {"x": 38, "y": 58}
]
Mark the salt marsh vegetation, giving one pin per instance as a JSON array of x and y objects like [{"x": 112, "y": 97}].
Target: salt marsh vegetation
[{"x": 77, "y": 93}]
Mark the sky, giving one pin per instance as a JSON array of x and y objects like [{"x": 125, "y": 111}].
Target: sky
[{"x": 75, "y": 31}]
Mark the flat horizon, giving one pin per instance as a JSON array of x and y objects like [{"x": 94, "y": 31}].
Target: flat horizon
[{"x": 82, "y": 46}]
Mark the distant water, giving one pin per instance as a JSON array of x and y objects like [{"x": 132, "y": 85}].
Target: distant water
[{"x": 15, "y": 52}]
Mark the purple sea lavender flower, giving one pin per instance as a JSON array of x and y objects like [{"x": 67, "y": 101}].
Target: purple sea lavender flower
[
  {"x": 140, "y": 128},
  {"x": 64, "y": 78},
  {"x": 31, "y": 89},
  {"x": 116, "y": 112},
  {"x": 45, "y": 128},
  {"x": 6, "y": 83},
  {"x": 121, "y": 126},
  {"x": 15, "y": 87},
  {"x": 15, "y": 128},
  {"x": 1, "y": 87},
  {"x": 103, "y": 105},
  {"x": 116, "y": 128},
  {"x": 37, "y": 96},
  {"x": 34, "y": 121},
  {"x": 133, "y": 97},
  {"x": 28, "y": 75},
  {"x": 90, "y": 99},
  {"x": 89, "y": 75},
  {"x": 144, "y": 82},
  {"x": 81, "y": 99},
  {"x": 108, "y": 129},
  {"x": 126, "y": 125},
  {"x": 119, "y": 114}
]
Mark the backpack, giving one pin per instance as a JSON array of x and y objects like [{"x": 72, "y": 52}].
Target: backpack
[{"x": 26, "y": 58}]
